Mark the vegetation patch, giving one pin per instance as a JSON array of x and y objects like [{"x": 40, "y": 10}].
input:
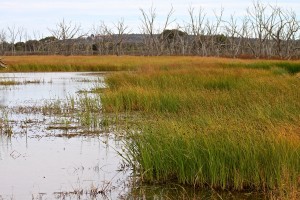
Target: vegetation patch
[
  {"x": 233, "y": 128},
  {"x": 9, "y": 82}
]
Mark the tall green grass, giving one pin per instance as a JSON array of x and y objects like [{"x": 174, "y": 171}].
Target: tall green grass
[
  {"x": 226, "y": 128},
  {"x": 222, "y": 159}
]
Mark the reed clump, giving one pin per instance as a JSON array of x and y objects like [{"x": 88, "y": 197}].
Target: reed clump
[{"x": 226, "y": 127}]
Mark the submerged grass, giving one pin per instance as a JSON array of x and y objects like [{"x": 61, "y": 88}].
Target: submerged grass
[
  {"x": 5, "y": 126},
  {"x": 231, "y": 128},
  {"x": 13, "y": 82}
]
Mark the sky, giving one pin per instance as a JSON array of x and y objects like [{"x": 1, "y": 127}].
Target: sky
[{"x": 38, "y": 16}]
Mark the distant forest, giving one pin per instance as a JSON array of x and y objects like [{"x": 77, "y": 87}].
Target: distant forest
[{"x": 266, "y": 31}]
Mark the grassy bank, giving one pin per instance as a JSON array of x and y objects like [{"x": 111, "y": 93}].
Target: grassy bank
[{"x": 213, "y": 125}]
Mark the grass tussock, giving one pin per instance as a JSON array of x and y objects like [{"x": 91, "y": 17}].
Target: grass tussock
[{"x": 224, "y": 127}]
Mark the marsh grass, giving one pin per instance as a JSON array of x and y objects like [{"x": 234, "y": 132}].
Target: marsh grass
[
  {"x": 288, "y": 67},
  {"x": 5, "y": 126},
  {"x": 67, "y": 64},
  {"x": 8, "y": 82},
  {"x": 81, "y": 112},
  {"x": 220, "y": 159},
  {"x": 233, "y": 128},
  {"x": 12, "y": 82},
  {"x": 134, "y": 63}
]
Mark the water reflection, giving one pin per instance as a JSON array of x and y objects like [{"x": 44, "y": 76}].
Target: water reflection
[
  {"x": 37, "y": 87},
  {"x": 57, "y": 165},
  {"x": 33, "y": 163}
]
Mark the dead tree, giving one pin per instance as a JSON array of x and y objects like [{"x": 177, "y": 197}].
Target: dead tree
[
  {"x": 197, "y": 30},
  {"x": 291, "y": 37},
  {"x": 147, "y": 29},
  {"x": 2, "y": 41},
  {"x": 243, "y": 34},
  {"x": 215, "y": 42},
  {"x": 154, "y": 45},
  {"x": 122, "y": 29},
  {"x": 65, "y": 32},
  {"x": 13, "y": 34},
  {"x": 281, "y": 26},
  {"x": 235, "y": 35},
  {"x": 257, "y": 40},
  {"x": 174, "y": 40},
  {"x": 33, "y": 45},
  {"x": 103, "y": 38}
]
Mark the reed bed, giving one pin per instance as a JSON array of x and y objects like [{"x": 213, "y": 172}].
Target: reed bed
[
  {"x": 129, "y": 63},
  {"x": 219, "y": 126}
]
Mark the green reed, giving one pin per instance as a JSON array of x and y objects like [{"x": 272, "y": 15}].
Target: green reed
[{"x": 227, "y": 128}]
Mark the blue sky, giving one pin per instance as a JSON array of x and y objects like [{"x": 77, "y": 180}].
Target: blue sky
[{"x": 40, "y": 15}]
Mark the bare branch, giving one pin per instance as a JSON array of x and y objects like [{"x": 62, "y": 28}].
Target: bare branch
[{"x": 66, "y": 30}]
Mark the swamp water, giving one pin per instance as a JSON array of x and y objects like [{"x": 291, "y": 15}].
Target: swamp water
[
  {"x": 40, "y": 162},
  {"x": 46, "y": 153}
]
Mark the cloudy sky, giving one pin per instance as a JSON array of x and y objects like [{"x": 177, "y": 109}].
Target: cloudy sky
[{"x": 41, "y": 15}]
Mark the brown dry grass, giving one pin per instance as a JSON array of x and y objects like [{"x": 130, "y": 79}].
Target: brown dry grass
[{"x": 117, "y": 63}]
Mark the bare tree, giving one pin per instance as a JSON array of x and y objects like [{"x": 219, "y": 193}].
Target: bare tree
[
  {"x": 161, "y": 40},
  {"x": 22, "y": 35},
  {"x": 258, "y": 38},
  {"x": 215, "y": 39},
  {"x": 103, "y": 38},
  {"x": 235, "y": 33},
  {"x": 122, "y": 29},
  {"x": 292, "y": 29},
  {"x": 2, "y": 40},
  {"x": 153, "y": 43},
  {"x": 13, "y": 34},
  {"x": 281, "y": 26},
  {"x": 65, "y": 32},
  {"x": 148, "y": 30},
  {"x": 33, "y": 44},
  {"x": 242, "y": 34},
  {"x": 197, "y": 29}
]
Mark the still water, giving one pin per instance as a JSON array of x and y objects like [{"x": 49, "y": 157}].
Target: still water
[
  {"x": 35, "y": 88},
  {"x": 34, "y": 165}
]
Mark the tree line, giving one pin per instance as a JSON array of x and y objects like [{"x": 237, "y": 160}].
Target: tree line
[{"x": 265, "y": 31}]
